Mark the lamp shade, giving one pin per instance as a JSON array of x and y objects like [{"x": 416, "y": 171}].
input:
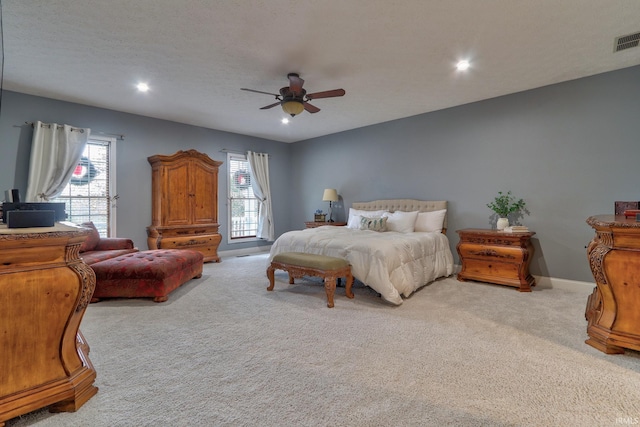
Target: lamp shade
[
  {"x": 330, "y": 195},
  {"x": 293, "y": 107}
]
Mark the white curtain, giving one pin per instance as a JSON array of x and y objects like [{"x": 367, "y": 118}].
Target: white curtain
[
  {"x": 55, "y": 153},
  {"x": 259, "y": 172}
]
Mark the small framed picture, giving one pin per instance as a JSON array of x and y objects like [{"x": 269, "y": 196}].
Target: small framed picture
[{"x": 620, "y": 207}]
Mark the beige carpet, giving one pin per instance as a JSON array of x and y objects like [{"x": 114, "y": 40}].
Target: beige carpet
[{"x": 225, "y": 352}]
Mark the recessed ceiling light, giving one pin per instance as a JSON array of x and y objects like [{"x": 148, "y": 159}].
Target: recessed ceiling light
[
  {"x": 463, "y": 65},
  {"x": 285, "y": 121},
  {"x": 143, "y": 87}
]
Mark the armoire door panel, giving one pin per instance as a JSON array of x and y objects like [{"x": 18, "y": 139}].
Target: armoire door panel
[
  {"x": 205, "y": 191},
  {"x": 177, "y": 209}
]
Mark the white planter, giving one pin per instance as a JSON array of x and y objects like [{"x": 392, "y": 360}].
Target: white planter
[{"x": 502, "y": 223}]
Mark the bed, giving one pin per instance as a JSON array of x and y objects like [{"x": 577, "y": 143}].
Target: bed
[{"x": 395, "y": 263}]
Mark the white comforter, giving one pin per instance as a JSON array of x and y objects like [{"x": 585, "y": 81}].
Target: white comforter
[{"x": 392, "y": 263}]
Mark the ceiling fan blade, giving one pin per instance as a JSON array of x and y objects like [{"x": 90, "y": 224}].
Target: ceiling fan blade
[
  {"x": 266, "y": 107},
  {"x": 295, "y": 83},
  {"x": 326, "y": 94},
  {"x": 258, "y": 91},
  {"x": 310, "y": 108}
]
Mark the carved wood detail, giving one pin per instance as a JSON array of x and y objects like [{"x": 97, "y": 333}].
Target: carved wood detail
[
  {"x": 492, "y": 253},
  {"x": 596, "y": 262},
  {"x": 88, "y": 279}
]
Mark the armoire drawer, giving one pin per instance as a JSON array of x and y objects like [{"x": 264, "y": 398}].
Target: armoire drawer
[{"x": 188, "y": 242}]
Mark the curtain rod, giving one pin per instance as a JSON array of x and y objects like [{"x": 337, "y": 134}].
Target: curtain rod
[
  {"x": 117, "y": 135},
  {"x": 225, "y": 150}
]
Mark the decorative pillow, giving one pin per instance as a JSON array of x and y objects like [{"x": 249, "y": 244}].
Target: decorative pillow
[
  {"x": 92, "y": 240},
  {"x": 400, "y": 221},
  {"x": 430, "y": 221},
  {"x": 374, "y": 224},
  {"x": 354, "y": 214}
]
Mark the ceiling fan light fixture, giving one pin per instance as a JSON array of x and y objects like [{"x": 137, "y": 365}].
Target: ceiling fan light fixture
[
  {"x": 292, "y": 107},
  {"x": 293, "y": 99}
]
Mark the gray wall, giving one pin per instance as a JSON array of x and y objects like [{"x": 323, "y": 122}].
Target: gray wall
[
  {"x": 570, "y": 150},
  {"x": 143, "y": 137}
]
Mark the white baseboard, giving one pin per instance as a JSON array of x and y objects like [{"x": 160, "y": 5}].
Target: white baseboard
[
  {"x": 545, "y": 282},
  {"x": 542, "y": 282},
  {"x": 246, "y": 251}
]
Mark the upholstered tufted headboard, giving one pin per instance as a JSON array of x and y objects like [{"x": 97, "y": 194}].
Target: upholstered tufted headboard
[{"x": 406, "y": 205}]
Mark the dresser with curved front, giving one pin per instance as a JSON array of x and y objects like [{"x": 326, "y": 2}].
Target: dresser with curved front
[
  {"x": 44, "y": 290},
  {"x": 613, "y": 309}
]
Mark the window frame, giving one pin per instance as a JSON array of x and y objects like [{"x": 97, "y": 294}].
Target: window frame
[
  {"x": 110, "y": 142},
  {"x": 231, "y": 240}
]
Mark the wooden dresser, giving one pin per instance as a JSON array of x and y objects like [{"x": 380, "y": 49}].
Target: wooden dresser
[
  {"x": 185, "y": 203},
  {"x": 44, "y": 291},
  {"x": 496, "y": 257},
  {"x": 613, "y": 309}
]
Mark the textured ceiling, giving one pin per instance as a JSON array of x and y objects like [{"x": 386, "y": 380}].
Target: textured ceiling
[{"x": 394, "y": 58}]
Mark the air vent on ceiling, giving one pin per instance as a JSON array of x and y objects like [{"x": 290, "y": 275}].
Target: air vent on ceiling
[{"x": 625, "y": 42}]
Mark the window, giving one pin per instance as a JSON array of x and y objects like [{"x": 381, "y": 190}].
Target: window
[
  {"x": 243, "y": 205},
  {"x": 89, "y": 194}
]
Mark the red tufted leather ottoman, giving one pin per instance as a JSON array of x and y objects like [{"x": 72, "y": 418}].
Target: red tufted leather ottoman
[{"x": 152, "y": 274}]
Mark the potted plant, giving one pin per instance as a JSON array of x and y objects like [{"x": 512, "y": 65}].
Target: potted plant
[{"x": 503, "y": 205}]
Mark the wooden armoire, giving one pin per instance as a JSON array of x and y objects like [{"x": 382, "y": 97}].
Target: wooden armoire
[{"x": 185, "y": 203}]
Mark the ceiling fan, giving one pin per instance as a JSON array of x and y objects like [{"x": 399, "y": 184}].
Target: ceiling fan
[{"x": 294, "y": 99}]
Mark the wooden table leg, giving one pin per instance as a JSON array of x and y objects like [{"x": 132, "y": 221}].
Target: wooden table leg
[
  {"x": 330, "y": 289},
  {"x": 347, "y": 290}
]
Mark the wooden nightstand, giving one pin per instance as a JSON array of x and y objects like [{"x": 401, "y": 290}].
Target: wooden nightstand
[
  {"x": 314, "y": 224},
  {"x": 496, "y": 257}
]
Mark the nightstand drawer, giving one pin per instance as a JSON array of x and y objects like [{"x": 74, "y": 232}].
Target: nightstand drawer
[
  {"x": 491, "y": 253},
  {"x": 487, "y": 271}
]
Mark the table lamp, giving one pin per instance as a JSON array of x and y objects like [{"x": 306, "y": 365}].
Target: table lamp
[{"x": 330, "y": 195}]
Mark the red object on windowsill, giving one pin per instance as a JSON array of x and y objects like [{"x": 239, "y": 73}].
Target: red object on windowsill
[{"x": 631, "y": 213}]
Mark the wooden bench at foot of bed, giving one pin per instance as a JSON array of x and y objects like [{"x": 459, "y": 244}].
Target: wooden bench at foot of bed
[{"x": 299, "y": 264}]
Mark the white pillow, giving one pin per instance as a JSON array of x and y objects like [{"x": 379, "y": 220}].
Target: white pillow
[
  {"x": 400, "y": 221},
  {"x": 356, "y": 214},
  {"x": 354, "y": 222},
  {"x": 430, "y": 221}
]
